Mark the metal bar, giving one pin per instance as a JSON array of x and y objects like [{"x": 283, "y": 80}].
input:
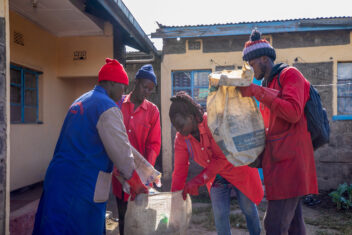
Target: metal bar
[
  {"x": 192, "y": 80},
  {"x": 22, "y": 95},
  {"x": 341, "y": 117},
  {"x": 37, "y": 103}
]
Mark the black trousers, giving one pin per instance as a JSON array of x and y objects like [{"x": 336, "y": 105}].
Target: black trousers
[
  {"x": 284, "y": 217},
  {"x": 122, "y": 208}
]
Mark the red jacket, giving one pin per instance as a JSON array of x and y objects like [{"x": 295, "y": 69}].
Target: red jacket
[
  {"x": 144, "y": 133},
  {"x": 288, "y": 160},
  {"x": 208, "y": 155}
]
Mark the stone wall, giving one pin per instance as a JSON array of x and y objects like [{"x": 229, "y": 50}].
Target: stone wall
[
  {"x": 334, "y": 160},
  {"x": 3, "y": 127},
  {"x": 311, "y": 39},
  {"x": 174, "y": 46}
]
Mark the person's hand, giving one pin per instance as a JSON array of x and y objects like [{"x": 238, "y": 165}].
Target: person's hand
[
  {"x": 157, "y": 182},
  {"x": 190, "y": 188},
  {"x": 136, "y": 186},
  {"x": 247, "y": 91},
  {"x": 264, "y": 95}
]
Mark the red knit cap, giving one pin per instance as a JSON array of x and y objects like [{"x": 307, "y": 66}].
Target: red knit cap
[{"x": 113, "y": 71}]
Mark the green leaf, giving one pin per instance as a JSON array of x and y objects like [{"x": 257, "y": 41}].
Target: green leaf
[
  {"x": 349, "y": 190},
  {"x": 335, "y": 196},
  {"x": 342, "y": 188}
]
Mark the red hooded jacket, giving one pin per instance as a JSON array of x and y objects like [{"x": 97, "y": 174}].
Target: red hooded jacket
[{"x": 288, "y": 160}]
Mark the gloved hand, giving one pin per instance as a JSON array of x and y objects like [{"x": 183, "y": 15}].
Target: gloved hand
[
  {"x": 192, "y": 186},
  {"x": 262, "y": 94},
  {"x": 136, "y": 185},
  {"x": 247, "y": 91}
]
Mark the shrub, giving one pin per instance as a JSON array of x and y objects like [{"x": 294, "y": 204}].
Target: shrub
[{"x": 342, "y": 196}]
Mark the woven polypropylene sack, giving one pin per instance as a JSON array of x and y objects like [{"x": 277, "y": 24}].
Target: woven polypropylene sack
[
  {"x": 235, "y": 121},
  {"x": 161, "y": 213}
]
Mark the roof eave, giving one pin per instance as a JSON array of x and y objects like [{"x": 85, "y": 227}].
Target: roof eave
[
  {"x": 120, "y": 13},
  {"x": 299, "y": 25}
]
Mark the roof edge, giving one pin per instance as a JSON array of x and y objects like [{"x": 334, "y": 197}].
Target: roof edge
[{"x": 244, "y": 28}]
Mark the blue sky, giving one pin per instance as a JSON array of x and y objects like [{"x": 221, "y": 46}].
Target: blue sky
[{"x": 192, "y": 12}]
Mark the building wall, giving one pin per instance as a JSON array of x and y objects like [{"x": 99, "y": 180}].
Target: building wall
[
  {"x": 227, "y": 51},
  {"x": 96, "y": 48},
  {"x": 63, "y": 80},
  {"x": 4, "y": 118}
]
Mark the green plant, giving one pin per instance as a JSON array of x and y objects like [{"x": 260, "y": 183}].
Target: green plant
[
  {"x": 342, "y": 196},
  {"x": 349, "y": 191}
]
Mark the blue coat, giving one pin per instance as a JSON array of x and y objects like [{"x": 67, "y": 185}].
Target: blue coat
[{"x": 66, "y": 205}]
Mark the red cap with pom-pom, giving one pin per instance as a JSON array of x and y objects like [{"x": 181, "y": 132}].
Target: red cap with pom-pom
[{"x": 113, "y": 71}]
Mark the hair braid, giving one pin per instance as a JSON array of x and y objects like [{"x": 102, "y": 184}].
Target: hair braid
[{"x": 185, "y": 105}]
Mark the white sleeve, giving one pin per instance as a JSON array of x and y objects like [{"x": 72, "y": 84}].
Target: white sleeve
[{"x": 113, "y": 134}]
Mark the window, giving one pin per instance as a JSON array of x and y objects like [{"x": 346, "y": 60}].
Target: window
[
  {"x": 195, "y": 83},
  {"x": 24, "y": 95},
  {"x": 193, "y": 44},
  {"x": 344, "y": 90},
  {"x": 224, "y": 67}
]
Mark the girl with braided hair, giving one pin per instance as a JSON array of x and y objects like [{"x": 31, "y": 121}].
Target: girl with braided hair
[{"x": 194, "y": 140}]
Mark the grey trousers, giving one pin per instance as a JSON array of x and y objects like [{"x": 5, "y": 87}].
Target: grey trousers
[{"x": 284, "y": 217}]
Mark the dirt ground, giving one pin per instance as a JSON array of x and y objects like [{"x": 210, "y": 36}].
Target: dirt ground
[{"x": 321, "y": 219}]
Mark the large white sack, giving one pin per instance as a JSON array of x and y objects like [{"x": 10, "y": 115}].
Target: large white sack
[
  {"x": 160, "y": 213},
  {"x": 235, "y": 121}
]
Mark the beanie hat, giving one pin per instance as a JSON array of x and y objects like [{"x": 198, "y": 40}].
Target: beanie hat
[
  {"x": 257, "y": 47},
  {"x": 113, "y": 71},
  {"x": 146, "y": 72}
]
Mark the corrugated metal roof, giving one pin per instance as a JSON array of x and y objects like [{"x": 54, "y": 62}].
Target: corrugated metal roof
[{"x": 244, "y": 28}]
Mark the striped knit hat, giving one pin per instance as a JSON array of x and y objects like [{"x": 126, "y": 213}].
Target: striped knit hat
[{"x": 257, "y": 47}]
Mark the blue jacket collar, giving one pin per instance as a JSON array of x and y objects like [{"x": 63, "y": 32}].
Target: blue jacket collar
[{"x": 100, "y": 89}]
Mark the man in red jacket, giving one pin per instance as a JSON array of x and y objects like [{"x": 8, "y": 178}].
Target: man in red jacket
[
  {"x": 288, "y": 159},
  {"x": 142, "y": 121}
]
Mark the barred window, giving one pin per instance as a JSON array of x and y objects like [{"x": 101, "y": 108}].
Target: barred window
[
  {"x": 195, "y": 83},
  {"x": 344, "y": 89},
  {"x": 24, "y": 95}
]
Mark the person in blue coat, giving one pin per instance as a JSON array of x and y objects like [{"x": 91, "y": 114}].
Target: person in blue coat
[{"x": 92, "y": 139}]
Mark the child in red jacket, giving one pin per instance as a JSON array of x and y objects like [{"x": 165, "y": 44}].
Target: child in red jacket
[{"x": 194, "y": 140}]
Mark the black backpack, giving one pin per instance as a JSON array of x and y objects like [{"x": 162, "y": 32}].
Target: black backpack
[{"x": 317, "y": 119}]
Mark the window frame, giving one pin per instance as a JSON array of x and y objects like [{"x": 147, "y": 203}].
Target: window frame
[
  {"x": 192, "y": 87},
  {"x": 341, "y": 117},
  {"x": 23, "y": 88}
]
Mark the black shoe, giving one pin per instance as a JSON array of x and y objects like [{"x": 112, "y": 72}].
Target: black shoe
[{"x": 308, "y": 199}]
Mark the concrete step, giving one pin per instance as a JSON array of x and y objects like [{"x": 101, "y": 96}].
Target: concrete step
[{"x": 22, "y": 219}]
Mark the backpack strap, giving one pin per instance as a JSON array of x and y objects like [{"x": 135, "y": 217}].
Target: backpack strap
[{"x": 278, "y": 79}]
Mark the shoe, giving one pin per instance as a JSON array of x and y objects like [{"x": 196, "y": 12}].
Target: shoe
[{"x": 307, "y": 199}]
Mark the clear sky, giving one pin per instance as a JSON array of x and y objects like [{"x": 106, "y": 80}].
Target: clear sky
[{"x": 193, "y": 12}]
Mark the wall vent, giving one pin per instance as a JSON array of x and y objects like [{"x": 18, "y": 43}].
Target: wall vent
[
  {"x": 79, "y": 55},
  {"x": 18, "y": 38}
]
